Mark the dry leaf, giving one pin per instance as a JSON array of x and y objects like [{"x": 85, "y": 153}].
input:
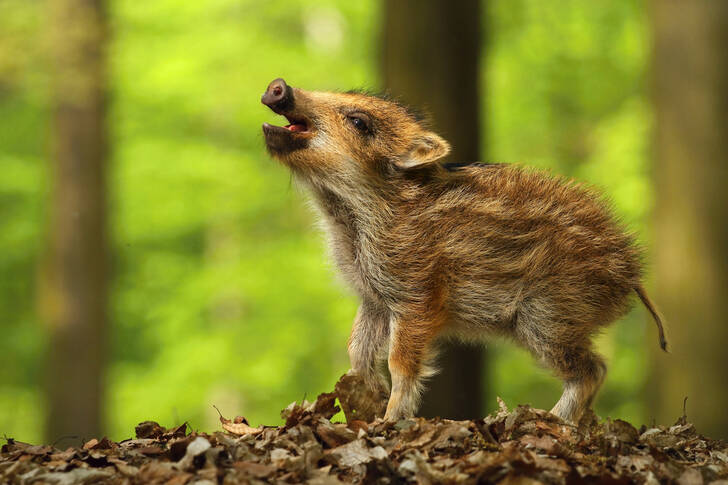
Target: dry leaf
[
  {"x": 525, "y": 445},
  {"x": 239, "y": 426}
]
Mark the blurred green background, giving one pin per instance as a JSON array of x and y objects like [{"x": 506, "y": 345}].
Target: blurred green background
[{"x": 221, "y": 291}]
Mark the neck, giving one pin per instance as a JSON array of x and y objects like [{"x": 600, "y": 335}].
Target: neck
[{"x": 356, "y": 206}]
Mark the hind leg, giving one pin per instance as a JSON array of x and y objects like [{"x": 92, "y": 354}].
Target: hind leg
[
  {"x": 583, "y": 372},
  {"x": 568, "y": 354}
]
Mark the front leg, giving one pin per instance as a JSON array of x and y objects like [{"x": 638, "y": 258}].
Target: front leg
[
  {"x": 410, "y": 351},
  {"x": 368, "y": 342}
]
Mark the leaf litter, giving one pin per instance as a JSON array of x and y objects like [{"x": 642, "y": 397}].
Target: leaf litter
[{"x": 519, "y": 446}]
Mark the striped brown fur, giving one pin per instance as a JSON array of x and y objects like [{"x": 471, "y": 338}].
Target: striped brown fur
[{"x": 471, "y": 251}]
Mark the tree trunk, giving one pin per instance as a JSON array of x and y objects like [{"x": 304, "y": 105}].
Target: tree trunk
[
  {"x": 74, "y": 295},
  {"x": 690, "y": 81},
  {"x": 431, "y": 54}
]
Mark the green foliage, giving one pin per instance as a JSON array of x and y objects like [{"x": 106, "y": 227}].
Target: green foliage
[{"x": 222, "y": 293}]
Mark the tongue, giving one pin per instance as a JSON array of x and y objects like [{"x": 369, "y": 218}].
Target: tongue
[{"x": 297, "y": 127}]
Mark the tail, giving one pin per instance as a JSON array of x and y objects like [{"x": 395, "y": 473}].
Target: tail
[{"x": 651, "y": 308}]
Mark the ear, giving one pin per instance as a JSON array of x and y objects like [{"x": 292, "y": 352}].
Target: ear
[{"x": 427, "y": 147}]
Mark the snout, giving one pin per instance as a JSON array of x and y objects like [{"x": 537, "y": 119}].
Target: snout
[
  {"x": 278, "y": 96},
  {"x": 280, "y": 140}
]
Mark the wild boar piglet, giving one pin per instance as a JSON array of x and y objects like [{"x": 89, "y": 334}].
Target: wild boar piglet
[{"x": 464, "y": 250}]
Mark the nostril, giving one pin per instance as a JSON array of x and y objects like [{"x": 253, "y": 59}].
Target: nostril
[{"x": 278, "y": 96}]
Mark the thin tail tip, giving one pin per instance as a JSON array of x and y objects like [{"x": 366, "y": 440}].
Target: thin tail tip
[
  {"x": 664, "y": 345},
  {"x": 661, "y": 331},
  {"x": 655, "y": 315}
]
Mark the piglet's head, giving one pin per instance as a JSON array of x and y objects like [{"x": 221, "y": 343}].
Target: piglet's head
[{"x": 335, "y": 135}]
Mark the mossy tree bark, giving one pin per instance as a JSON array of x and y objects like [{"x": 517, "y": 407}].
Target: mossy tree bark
[
  {"x": 431, "y": 51},
  {"x": 690, "y": 81},
  {"x": 74, "y": 293}
]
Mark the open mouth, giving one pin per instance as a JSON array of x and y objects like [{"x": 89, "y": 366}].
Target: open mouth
[
  {"x": 293, "y": 136},
  {"x": 295, "y": 125}
]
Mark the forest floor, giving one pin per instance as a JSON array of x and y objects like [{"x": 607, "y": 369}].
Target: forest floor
[{"x": 522, "y": 446}]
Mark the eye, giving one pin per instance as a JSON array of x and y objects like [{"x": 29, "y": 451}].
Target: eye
[{"x": 360, "y": 121}]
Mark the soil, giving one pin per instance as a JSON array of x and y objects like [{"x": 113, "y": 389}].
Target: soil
[{"x": 519, "y": 446}]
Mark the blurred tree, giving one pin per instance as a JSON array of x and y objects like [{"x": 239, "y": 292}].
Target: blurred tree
[
  {"x": 75, "y": 291},
  {"x": 431, "y": 59},
  {"x": 691, "y": 94}
]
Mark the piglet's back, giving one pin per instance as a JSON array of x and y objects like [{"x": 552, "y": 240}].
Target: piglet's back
[{"x": 545, "y": 233}]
